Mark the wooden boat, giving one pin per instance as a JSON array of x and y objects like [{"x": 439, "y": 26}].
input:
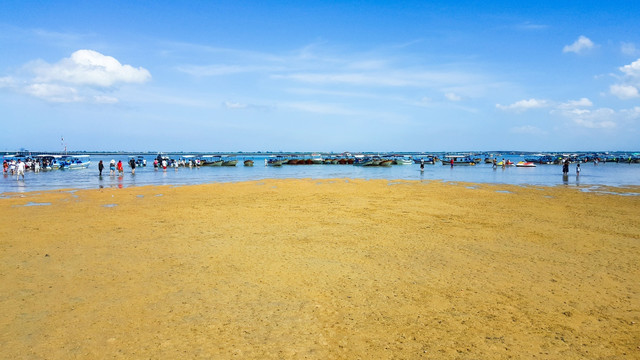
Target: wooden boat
[
  {"x": 248, "y": 162},
  {"x": 229, "y": 162},
  {"x": 275, "y": 161},
  {"x": 402, "y": 161},
  {"x": 211, "y": 160},
  {"x": 457, "y": 160}
]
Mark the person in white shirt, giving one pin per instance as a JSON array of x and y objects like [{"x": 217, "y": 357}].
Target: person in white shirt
[{"x": 20, "y": 170}]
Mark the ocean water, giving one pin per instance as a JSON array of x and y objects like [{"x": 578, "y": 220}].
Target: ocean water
[{"x": 609, "y": 174}]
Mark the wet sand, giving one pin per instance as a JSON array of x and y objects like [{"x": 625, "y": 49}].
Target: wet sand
[{"x": 321, "y": 269}]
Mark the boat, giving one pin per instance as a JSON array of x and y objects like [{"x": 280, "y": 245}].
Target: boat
[
  {"x": 248, "y": 162},
  {"x": 525, "y": 164},
  {"x": 275, "y": 161},
  {"x": 72, "y": 162},
  {"x": 402, "y": 161},
  {"x": 316, "y": 159},
  {"x": 228, "y": 161},
  {"x": 211, "y": 160},
  {"x": 361, "y": 160},
  {"x": 49, "y": 162},
  {"x": 141, "y": 161},
  {"x": 427, "y": 160},
  {"x": 457, "y": 160}
]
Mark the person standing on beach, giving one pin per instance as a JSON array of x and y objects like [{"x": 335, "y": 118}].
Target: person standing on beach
[
  {"x": 578, "y": 169},
  {"x": 100, "y": 167},
  {"x": 565, "y": 167},
  {"x": 421, "y": 165},
  {"x": 20, "y": 170},
  {"x": 112, "y": 167},
  {"x": 132, "y": 163},
  {"x": 120, "y": 168}
]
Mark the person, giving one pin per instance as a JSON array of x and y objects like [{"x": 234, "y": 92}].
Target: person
[
  {"x": 132, "y": 163},
  {"x": 36, "y": 166},
  {"x": 164, "y": 164},
  {"x": 578, "y": 169},
  {"x": 504, "y": 163},
  {"x": 100, "y": 167},
  {"x": 5, "y": 166},
  {"x": 20, "y": 170},
  {"x": 421, "y": 165},
  {"x": 495, "y": 163},
  {"x": 120, "y": 168},
  {"x": 451, "y": 162},
  {"x": 112, "y": 167},
  {"x": 155, "y": 164},
  {"x": 565, "y": 167}
]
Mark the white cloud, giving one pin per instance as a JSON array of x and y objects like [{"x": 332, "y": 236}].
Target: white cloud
[
  {"x": 603, "y": 118},
  {"x": 6, "y": 82},
  {"x": 88, "y": 67},
  {"x": 632, "y": 70},
  {"x": 582, "y": 44},
  {"x": 53, "y": 92},
  {"x": 572, "y": 104},
  {"x": 452, "y": 96},
  {"x": 523, "y": 105},
  {"x": 624, "y": 91}
]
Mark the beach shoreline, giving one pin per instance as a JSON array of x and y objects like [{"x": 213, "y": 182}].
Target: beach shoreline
[{"x": 321, "y": 268}]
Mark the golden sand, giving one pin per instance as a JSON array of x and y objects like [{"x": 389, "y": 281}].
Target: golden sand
[{"x": 321, "y": 269}]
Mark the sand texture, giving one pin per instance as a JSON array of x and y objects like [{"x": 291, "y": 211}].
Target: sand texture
[{"x": 321, "y": 269}]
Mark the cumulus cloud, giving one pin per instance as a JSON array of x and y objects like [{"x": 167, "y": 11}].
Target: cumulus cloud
[
  {"x": 624, "y": 92},
  {"x": 632, "y": 70},
  {"x": 630, "y": 82},
  {"x": 84, "y": 76},
  {"x": 523, "y": 105},
  {"x": 579, "y": 46},
  {"x": 88, "y": 67}
]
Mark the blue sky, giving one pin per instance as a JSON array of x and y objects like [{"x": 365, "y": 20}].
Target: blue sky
[{"x": 320, "y": 76}]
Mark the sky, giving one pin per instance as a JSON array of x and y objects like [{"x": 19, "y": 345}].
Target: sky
[{"x": 328, "y": 76}]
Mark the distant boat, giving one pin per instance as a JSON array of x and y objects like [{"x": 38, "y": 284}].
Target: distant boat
[
  {"x": 248, "y": 162},
  {"x": 49, "y": 162},
  {"x": 402, "y": 161},
  {"x": 211, "y": 160},
  {"x": 457, "y": 160},
  {"x": 275, "y": 161},
  {"x": 72, "y": 162},
  {"x": 229, "y": 161}
]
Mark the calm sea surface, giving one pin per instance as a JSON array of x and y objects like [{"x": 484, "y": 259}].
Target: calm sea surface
[{"x": 611, "y": 174}]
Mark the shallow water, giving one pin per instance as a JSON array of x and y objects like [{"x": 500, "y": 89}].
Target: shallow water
[{"x": 610, "y": 174}]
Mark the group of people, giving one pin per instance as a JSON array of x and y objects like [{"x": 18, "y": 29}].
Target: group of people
[
  {"x": 565, "y": 167},
  {"x": 18, "y": 167}
]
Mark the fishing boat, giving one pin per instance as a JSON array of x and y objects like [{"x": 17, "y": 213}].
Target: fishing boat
[
  {"x": 361, "y": 160},
  {"x": 525, "y": 164},
  {"x": 275, "y": 161},
  {"x": 72, "y": 162},
  {"x": 248, "y": 162},
  {"x": 457, "y": 160},
  {"x": 211, "y": 160},
  {"x": 316, "y": 159},
  {"x": 402, "y": 161},
  {"x": 228, "y": 161}
]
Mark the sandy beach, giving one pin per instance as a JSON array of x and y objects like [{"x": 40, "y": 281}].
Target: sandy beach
[{"x": 321, "y": 269}]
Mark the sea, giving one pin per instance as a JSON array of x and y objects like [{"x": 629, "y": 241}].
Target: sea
[{"x": 595, "y": 176}]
